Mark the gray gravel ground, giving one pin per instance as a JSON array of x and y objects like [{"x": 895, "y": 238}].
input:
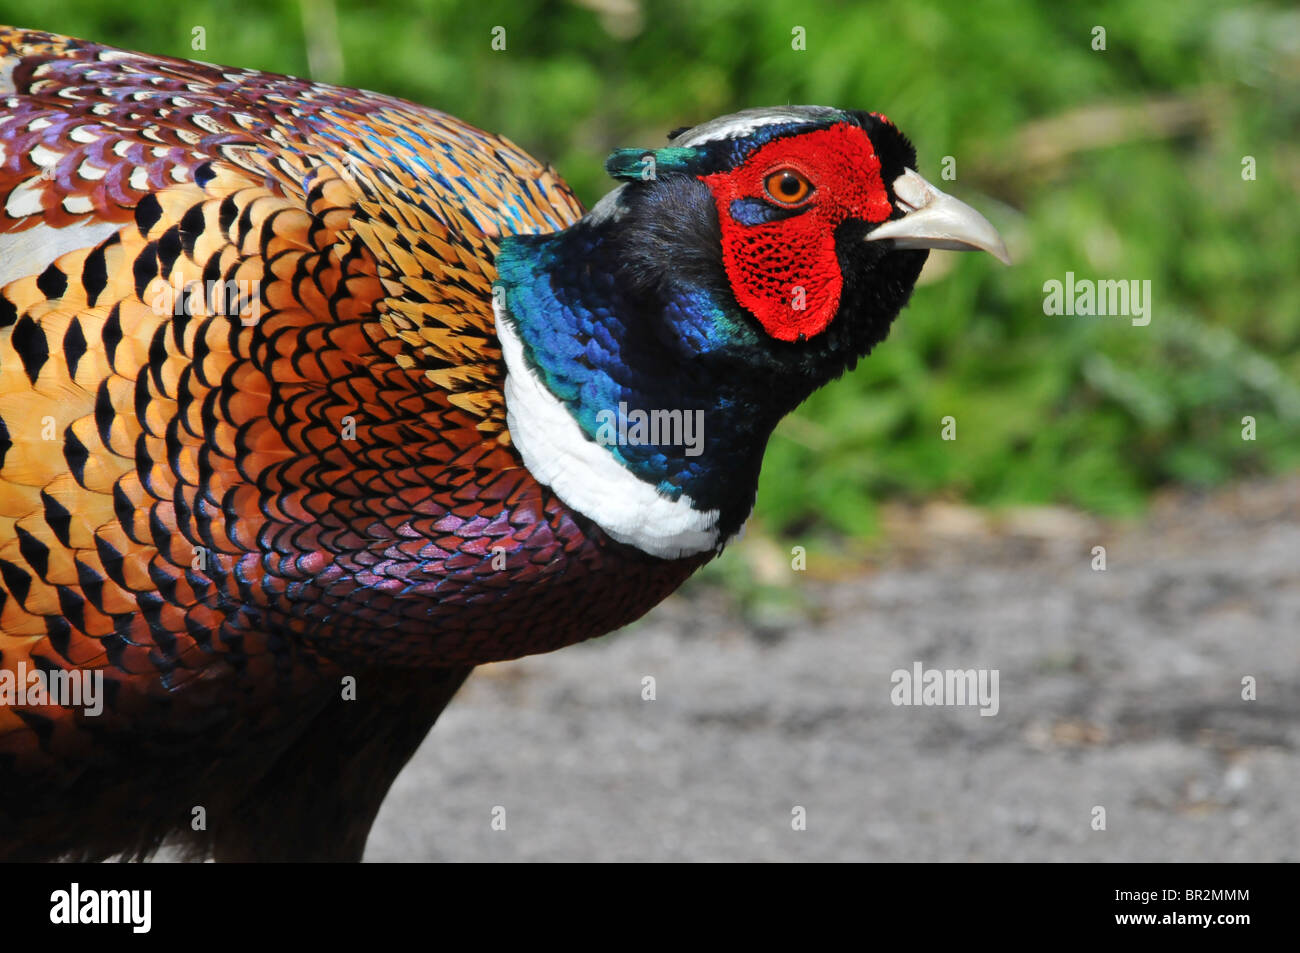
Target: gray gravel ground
[{"x": 1120, "y": 689}]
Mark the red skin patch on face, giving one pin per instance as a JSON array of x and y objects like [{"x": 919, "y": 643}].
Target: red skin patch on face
[{"x": 771, "y": 263}]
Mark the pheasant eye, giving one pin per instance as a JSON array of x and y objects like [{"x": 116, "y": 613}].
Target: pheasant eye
[{"x": 787, "y": 187}]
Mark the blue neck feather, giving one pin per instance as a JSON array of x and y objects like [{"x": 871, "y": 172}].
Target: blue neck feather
[{"x": 603, "y": 343}]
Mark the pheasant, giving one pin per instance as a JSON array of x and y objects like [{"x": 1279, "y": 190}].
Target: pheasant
[{"x": 313, "y": 399}]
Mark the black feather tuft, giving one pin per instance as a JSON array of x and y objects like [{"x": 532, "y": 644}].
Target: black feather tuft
[{"x": 670, "y": 230}]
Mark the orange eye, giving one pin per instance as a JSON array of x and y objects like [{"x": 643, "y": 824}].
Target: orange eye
[{"x": 787, "y": 187}]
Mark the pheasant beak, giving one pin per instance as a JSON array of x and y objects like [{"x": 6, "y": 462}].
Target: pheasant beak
[{"x": 934, "y": 219}]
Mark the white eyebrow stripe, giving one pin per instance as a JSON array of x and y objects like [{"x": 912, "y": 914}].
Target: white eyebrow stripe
[
  {"x": 744, "y": 123},
  {"x": 734, "y": 130}
]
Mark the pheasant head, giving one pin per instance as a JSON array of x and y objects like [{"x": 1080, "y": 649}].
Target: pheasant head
[{"x": 653, "y": 346}]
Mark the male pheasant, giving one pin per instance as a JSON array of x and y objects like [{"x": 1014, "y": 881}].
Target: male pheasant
[{"x": 312, "y": 399}]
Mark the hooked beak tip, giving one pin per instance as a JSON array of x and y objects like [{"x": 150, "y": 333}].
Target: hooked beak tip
[{"x": 934, "y": 219}]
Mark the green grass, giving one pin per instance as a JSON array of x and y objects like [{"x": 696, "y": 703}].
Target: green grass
[{"x": 1091, "y": 412}]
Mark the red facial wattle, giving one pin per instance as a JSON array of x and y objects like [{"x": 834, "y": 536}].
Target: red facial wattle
[{"x": 786, "y": 272}]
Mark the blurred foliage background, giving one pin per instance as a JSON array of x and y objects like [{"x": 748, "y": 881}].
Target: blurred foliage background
[{"x": 1125, "y": 163}]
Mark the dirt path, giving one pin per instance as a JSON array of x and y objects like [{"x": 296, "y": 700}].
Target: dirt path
[{"x": 1120, "y": 689}]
